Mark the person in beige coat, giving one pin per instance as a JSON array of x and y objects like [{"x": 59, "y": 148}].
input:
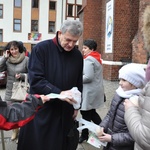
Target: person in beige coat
[
  {"x": 15, "y": 63},
  {"x": 137, "y": 118}
]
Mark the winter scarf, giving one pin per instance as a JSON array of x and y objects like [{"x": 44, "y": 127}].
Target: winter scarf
[
  {"x": 96, "y": 55},
  {"x": 127, "y": 94},
  {"x": 16, "y": 60}
]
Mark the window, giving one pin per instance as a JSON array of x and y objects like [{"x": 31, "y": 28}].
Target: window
[
  {"x": 1, "y": 35},
  {"x": 34, "y": 25},
  {"x": 70, "y": 10},
  {"x": 52, "y": 5},
  {"x": 17, "y": 25},
  {"x": 17, "y": 3},
  {"x": 1, "y": 11},
  {"x": 35, "y": 3},
  {"x": 78, "y": 9},
  {"x": 51, "y": 26}
]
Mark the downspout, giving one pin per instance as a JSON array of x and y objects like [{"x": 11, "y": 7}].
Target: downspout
[{"x": 62, "y": 12}]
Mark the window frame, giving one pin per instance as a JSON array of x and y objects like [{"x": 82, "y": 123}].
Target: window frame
[
  {"x": 16, "y": 23},
  {"x": 78, "y": 8},
  {"x": 35, "y": 3},
  {"x": 53, "y": 26},
  {"x": 1, "y": 10},
  {"x": 35, "y": 23},
  {"x": 52, "y": 8},
  {"x": 70, "y": 9},
  {"x": 1, "y": 33},
  {"x": 18, "y": 6}
]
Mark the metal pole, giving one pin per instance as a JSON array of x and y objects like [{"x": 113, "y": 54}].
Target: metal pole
[{"x": 2, "y": 139}]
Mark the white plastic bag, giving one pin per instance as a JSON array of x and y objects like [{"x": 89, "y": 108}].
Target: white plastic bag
[
  {"x": 93, "y": 139},
  {"x": 76, "y": 94}
]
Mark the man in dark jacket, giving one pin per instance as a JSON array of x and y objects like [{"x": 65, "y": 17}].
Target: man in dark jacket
[{"x": 55, "y": 66}]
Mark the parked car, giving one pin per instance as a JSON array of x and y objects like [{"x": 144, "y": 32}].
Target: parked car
[{"x": 3, "y": 77}]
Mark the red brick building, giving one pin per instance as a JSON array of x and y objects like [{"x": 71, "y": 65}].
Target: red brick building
[{"x": 127, "y": 35}]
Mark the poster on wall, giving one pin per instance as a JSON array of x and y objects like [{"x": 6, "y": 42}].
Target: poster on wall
[
  {"x": 109, "y": 26},
  {"x": 34, "y": 36}
]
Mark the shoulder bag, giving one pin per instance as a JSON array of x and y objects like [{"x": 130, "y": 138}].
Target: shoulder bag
[{"x": 20, "y": 89}]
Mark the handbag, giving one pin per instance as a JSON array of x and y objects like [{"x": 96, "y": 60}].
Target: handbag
[{"x": 19, "y": 90}]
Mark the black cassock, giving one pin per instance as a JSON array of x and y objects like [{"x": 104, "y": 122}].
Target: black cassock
[{"x": 51, "y": 70}]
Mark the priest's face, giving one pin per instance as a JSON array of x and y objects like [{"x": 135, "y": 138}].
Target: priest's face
[{"x": 67, "y": 41}]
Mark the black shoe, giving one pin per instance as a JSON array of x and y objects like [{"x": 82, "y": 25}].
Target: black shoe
[{"x": 81, "y": 139}]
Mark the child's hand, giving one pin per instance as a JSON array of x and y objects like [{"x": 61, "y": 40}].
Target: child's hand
[
  {"x": 105, "y": 137},
  {"x": 44, "y": 98},
  {"x": 128, "y": 104},
  {"x": 18, "y": 75},
  {"x": 99, "y": 131}
]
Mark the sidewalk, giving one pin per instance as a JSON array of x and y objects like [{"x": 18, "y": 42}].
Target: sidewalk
[{"x": 110, "y": 88}]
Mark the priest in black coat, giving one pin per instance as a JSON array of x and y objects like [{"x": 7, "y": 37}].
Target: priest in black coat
[{"x": 55, "y": 66}]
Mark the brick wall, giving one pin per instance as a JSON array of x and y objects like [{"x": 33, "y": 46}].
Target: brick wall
[
  {"x": 128, "y": 40},
  {"x": 139, "y": 54},
  {"x": 92, "y": 18},
  {"x": 110, "y": 72}
]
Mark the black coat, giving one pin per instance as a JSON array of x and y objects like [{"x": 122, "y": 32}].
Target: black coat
[
  {"x": 51, "y": 70},
  {"x": 16, "y": 115},
  {"x": 115, "y": 125}
]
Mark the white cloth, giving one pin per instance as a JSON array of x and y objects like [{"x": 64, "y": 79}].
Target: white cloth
[
  {"x": 128, "y": 94},
  {"x": 76, "y": 94}
]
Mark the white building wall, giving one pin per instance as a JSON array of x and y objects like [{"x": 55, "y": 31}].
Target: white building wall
[
  {"x": 7, "y": 22},
  {"x": 79, "y": 2},
  {"x": 26, "y": 20},
  {"x": 43, "y": 19}
]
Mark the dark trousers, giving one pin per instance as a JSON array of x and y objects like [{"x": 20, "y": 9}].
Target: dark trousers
[{"x": 90, "y": 115}]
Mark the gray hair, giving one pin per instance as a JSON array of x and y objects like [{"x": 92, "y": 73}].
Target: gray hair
[{"x": 74, "y": 27}]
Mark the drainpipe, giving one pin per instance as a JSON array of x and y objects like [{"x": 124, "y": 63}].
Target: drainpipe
[{"x": 62, "y": 12}]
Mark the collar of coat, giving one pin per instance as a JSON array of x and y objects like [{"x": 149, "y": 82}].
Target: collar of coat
[
  {"x": 56, "y": 42},
  {"x": 96, "y": 55}
]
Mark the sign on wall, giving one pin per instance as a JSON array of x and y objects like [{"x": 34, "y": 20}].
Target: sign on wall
[
  {"x": 109, "y": 26},
  {"x": 34, "y": 36}
]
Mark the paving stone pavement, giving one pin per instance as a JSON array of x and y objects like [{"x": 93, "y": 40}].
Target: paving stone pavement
[{"x": 109, "y": 86}]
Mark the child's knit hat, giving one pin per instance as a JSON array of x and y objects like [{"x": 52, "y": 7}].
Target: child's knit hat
[{"x": 134, "y": 74}]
